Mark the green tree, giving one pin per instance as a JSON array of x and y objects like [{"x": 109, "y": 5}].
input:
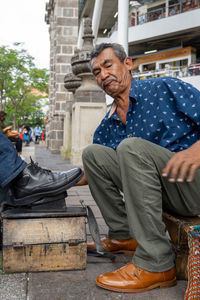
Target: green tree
[
  {"x": 30, "y": 112},
  {"x": 18, "y": 77}
]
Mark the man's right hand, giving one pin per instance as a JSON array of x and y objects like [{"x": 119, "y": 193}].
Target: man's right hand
[{"x": 183, "y": 165}]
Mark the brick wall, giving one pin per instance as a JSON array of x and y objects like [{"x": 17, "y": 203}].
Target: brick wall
[{"x": 62, "y": 17}]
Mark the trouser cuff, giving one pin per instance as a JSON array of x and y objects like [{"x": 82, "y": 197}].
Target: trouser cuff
[
  {"x": 153, "y": 267},
  {"x": 119, "y": 235}
]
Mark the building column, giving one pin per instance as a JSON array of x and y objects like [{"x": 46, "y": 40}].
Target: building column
[
  {"x": 89, "y": 105},
  {"x": 166, "y": 8},
  {"x": 80, "y": 34},
  {"x": 123, "y": 8},
  {"x": 96, "y": 17}
]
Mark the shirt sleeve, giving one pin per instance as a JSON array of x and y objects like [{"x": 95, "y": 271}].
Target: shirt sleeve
[{"x": 186, "y": 97}]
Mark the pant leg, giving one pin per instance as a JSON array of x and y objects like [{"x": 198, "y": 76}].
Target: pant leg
[
  {"x": 103, "y": 174},
  {"x": 18, "y": 142},
  {"x": 29, "y": 139},
  {"x": 145, "y": 194},
  {"x": 10, "y": 163},
  {"x": 19, "y": 145}
]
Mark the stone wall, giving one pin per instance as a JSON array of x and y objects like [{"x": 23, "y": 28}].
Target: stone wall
[
  {"x": 89, "y": 105},
  {"x": 62, "y": 17}
]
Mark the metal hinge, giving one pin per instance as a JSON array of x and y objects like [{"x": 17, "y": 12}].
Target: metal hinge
[
  {"x": 74, "y": 242},
  {"x": 18, "y": 245}
]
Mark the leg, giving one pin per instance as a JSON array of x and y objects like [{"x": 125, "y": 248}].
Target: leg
[
  {"x": 29, "y": 139},
  {"x": 30, "y": 183},
  {"x": 103, "y": 174},
  {"x": 10, "y": 163},
  {"x": 19, "y": 145},
  {"x": 18, "y": 142},
  {"x": 145, "y": 194}
]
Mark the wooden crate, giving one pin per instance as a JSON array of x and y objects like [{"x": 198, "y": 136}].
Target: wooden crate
[
  {"x": 44, "y": 241},
  {"x": 176, "y": 227}
]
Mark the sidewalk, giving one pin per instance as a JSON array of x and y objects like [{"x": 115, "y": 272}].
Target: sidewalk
[{"x": 74, "y": 285}]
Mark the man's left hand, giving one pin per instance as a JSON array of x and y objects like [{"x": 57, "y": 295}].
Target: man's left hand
[{"x": 183, "y": 165}]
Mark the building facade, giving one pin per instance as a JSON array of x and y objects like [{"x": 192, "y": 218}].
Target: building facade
[{"x": 161, "y": 36}]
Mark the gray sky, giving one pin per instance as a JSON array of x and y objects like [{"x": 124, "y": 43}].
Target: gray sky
[{"x": 23, "y": 21}]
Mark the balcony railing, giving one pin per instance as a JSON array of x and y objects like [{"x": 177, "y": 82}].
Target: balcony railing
[
  {"x": 192, "y": 70},
  {"x": 159, "y": 13}
]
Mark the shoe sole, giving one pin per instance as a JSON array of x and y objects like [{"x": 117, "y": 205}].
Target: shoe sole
[
  {"x": 49, "y": 199},
  {"x": 164, "y": 284},
  {"x": 32, "y": 198},
  {"x": 125, "y": 252}
]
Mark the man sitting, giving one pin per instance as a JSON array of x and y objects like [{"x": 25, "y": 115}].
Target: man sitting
[{"x": 147, "y": 147}]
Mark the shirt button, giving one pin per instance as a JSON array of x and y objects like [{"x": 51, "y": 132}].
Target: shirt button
[{"x": 120, "y": 123}]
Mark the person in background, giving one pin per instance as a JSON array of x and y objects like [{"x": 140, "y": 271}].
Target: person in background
[
  {"x": 42, "y": 136},
  {"x": 28, "y": 132},
  {"x": 37, "y": 132},
  {"x": 25, "y": 135}
]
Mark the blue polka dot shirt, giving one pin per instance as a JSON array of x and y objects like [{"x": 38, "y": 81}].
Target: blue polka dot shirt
[{"x": 165, "y": 111}]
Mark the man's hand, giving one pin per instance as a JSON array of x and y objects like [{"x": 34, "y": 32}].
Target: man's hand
[
  {"x": 6, "y": 129},
  {"x": 183, "y": 165}
]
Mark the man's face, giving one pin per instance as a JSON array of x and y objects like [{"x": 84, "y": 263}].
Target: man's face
[{"x": 112, "y": 75}]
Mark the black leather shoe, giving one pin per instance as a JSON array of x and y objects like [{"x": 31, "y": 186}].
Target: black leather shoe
[{"x": 35, "y": 182}]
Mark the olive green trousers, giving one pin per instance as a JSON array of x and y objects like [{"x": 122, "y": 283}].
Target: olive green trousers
[{"x": 127, "y": 186}]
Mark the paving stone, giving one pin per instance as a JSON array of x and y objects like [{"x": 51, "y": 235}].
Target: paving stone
[
  {"x": 13, "y": 286},
  {"x": 86, "y": 197},
  {"x": 73, "y": 200},
  {"x": 51, "y": 161},
  {"x": 72, "y": 192},
  {"x": 80, "y": 285},
  {"x": 28, "y": 152}
]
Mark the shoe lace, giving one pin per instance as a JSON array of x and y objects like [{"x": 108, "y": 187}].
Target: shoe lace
[{"x": 38, "y": 168}]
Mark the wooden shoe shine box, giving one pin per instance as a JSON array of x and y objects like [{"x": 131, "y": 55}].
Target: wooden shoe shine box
[{"x": 44, "y": 241}]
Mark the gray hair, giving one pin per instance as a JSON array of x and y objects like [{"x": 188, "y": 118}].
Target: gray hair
[{"x": 117, "y": 49}]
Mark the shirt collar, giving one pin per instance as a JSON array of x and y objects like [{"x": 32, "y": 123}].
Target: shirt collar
[
  {"x": 132, "y": 94},
  {"x": 134, "y": 89},
  {"x": 112, "y": 109}
]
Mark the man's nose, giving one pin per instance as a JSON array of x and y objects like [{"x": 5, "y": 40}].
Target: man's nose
[{"x": 104, "y": 74}]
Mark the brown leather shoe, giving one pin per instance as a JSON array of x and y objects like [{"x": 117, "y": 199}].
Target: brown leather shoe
[
  {"x": 132, "y": 279},
  {"x": 116, "y": 246}
]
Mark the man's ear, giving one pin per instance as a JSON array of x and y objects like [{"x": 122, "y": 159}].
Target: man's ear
[{"x": 129, "y": 63}]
